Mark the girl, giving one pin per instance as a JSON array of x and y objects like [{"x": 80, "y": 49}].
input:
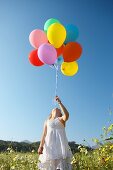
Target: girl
[{"x": 54, "y": 151}]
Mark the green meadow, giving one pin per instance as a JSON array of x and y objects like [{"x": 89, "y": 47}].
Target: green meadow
[{"x": 100, "y": 158}]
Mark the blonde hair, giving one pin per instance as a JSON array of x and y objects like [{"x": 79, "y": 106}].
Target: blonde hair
[{"x": 50, "y": 115}]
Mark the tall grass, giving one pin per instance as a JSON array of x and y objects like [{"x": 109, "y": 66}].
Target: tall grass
[{"x": 100, "y": 158}]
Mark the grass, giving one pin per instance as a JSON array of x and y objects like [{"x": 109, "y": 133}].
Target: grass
[
  {"x": 97, "y": 159},
  {"x": 18, "y": 161}
]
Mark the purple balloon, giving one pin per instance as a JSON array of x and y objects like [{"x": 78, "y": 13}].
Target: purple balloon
[{"x": 47, "y": 53}]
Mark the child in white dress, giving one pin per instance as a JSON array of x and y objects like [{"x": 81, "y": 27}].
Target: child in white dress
[{"x": 54, "y": 151}]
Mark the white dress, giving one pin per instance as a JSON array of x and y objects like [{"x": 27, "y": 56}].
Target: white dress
[{"x": 56, "y": 151}]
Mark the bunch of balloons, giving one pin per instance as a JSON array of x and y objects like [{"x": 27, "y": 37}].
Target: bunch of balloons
[{"x": 56, "y": 44}]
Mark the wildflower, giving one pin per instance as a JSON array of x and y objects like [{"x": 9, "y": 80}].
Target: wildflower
[
  {"x": 73, "y": 160},
  {"x": 111, "y": 146},
  {"x": 110, "y": 127},
  {"x": 86, "y": 152},
  {"x": 13, "y": 167},
  {"x": 14, "y": 159},
  {"x": 8, "y": 149},
  {"x": 107, "y": 159},
  {"x": 103, "y": 149},
  {"x": 79, "y": 147},
  {"x": 11, "y": 151},
  {"x": 33, "y": 151}
]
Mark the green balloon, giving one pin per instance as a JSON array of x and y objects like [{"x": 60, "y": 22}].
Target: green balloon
[{"x": 50, "y": 22}]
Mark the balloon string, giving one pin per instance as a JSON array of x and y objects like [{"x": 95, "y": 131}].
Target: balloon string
[{"x": 56, "y": 85}]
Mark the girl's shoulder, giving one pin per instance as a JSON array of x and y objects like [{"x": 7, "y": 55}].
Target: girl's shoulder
[{"x": 47, "y": 120}]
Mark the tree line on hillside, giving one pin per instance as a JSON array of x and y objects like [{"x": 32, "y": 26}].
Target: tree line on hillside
[{"x": 29, "y": 147}]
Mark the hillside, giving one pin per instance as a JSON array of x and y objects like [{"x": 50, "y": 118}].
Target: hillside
[{"x": 27, "y": 146}]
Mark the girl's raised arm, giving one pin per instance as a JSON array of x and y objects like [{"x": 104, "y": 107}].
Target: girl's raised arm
[{"x": 65, "y": 117}]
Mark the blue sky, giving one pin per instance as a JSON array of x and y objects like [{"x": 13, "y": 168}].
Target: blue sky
[{"x": 26, "y": 92}]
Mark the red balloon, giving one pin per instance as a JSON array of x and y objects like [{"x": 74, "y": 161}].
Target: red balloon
[
  {"x": 34, "y": 59},
  {"x": 72, "y": 51},
  {"x": 60, "y": 50}
]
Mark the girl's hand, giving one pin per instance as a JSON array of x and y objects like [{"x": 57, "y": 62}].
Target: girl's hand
[
  {"x": 40, "y": 150},
  {"x": 57, "y": 99}
]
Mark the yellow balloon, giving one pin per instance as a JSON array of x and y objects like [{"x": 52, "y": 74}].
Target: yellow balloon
[
  {"x": 69, "y": 68},
  {"x": 56, "y": 34}
]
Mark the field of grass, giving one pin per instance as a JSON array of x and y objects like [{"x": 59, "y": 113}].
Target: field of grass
[
  {"x": 97, "y": 159},
  {"x": 18, "y": 161}
]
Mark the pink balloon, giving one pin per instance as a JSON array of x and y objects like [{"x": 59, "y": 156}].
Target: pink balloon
[
  {"x": 47, "y": 53},
  {"x": 37, "y": 37}
]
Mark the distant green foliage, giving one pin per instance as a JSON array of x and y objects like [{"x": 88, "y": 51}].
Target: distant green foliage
[
  {"x": 26, "y": 147},
  {"x": 18, "y": 146}
]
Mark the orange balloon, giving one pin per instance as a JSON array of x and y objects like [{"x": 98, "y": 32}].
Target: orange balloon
[
  {"x": 72, "y": 51},
  {"x": 60, "y": 50}
]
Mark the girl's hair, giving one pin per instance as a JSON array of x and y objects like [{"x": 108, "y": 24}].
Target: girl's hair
[{"x": 50, "y": 115}]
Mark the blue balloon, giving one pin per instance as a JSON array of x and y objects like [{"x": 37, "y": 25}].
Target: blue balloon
[
  {"x": 59, "y": 60},
  {"x": 72, "y": 33}
]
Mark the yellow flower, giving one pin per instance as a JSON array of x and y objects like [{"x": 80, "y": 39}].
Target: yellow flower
[
  {"x": 14, "y": 159},
  {"x": 103, "y": 149},
  {"x": 111, "y": 146},
  {"x": 107, "y": 158},
  {"x": 110, "y": 127},
  {"x": 73, "y": 160}
]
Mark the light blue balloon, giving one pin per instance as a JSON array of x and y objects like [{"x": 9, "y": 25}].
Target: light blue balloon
[
  {"x": 72, "y": 33},
  {"x": 59, "y": 60}
]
